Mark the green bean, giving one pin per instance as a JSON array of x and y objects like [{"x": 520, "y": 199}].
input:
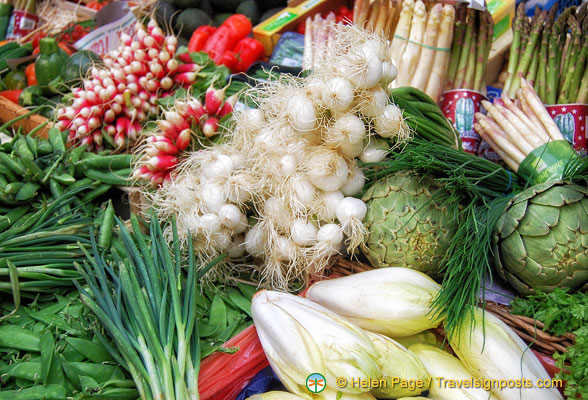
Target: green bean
[
  {"x": 38, "y": 128},
  {"x": 106, "y": 229},
  {"x": 80, "y": 184}
]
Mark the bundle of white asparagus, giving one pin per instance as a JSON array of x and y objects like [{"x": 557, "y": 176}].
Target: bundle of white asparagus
[
  {"x": 421, "y": 46},
  {"x": 378, "y": 16},
  {"x": 318, "y": 37},
  {"x": 515, "y": 129}
]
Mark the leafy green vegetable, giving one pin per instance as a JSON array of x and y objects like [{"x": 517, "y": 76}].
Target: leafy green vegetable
[{"x": 563, "y": 312}]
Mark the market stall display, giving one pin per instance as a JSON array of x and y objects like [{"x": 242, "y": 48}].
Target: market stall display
[{"x": 324, "y": 193}]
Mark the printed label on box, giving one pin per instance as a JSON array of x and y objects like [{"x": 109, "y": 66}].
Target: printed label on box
[{"x": 106, "y": 38}]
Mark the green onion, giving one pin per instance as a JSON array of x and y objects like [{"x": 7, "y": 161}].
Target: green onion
[{"x": 147, "y": 304}]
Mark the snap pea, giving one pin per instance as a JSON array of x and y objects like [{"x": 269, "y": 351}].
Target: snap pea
[
  {"x": 27, "y": 191},
  {"x": 106, "y": 229},
  {"x": 32, "y": 143},
  {"x": 240, "y": 301},
  {"x": 31, "y": 371},
  {"x": 32, "y": 171},
  {"x": 21, "y": 148},
  {"x": 3, "y": 182},
  {"x": 55, "y": 188},
  {"x": 7, "y": 172},
  {"x": 16, "y": 337},
  {"x": 92, "y": 351},
  {"x": 56, "y": 140},
  {"x": 12, "y": 163},
  {"x": 47, "y": 392},
  {"x": 13, "y": 188},
  {"x": 114, "y": 162},
  {"x": 13, "y": 215},
  {"x": 81, "y": 183},
  {"x": 44, "y": 147},
  {"x": 218, "y": 312},
  {"x": 64, "y": 178},
  {"x": 117, "y": 178},
  {"x": 95, "y": 193}
]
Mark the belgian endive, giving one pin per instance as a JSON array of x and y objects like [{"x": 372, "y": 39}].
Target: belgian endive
[
  {"x": 490, "y": 349},
  {"x": 393, "y": 301},
  {"x": 300, "y": 337},
  {"x": 452, "y": 381},
  {"x": 402, "y": 371}
]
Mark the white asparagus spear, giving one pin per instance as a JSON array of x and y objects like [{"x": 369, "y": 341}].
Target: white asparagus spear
[
  {"x": 307, "y": 55},
  {"x": 536, "y": 127},
  {"x": 402, "y": 31},
  {"x": 488, "y": 137},
  {"x": 427, "y": 56},
  {"x": 539, "y": 109},
  {"x": 410, "y": 55},
  {"x": 528, "y": 133},
  {"x": 500, "y": 139},
  {"x": 439, "y": 70},
  {"x": 513, "y": 134},
  {"x": 383, "y": 15}
]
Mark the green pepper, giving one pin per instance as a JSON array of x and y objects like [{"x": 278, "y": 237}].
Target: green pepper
[
  {"x": 15, "y": 80},
  {"x": 49, "y": 62}
]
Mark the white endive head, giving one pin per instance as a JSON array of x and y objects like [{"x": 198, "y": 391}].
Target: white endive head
[
  {"x": 277, "y": 396},
  {"x": 392, "y": 301},
  {"x": 490, "y": 349},
  {"x": 448, "y": 372},
  {"x": 403, "y": 372},
  {"x": 300, "y": 337}
]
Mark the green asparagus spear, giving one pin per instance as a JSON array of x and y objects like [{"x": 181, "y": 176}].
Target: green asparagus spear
[
  {"x": 468, "y": 79},
  {"x": 572, "y": 54},
  {"x": 530, "y": 48},
  {"x": 533, "y": 68},
  {"x": 576, "y": 71},
  {"x": 515, "y": 49},
  {"x": 488, "y": 44},
  {"x": 481, "y": 52},
  {"x": 457, "y": 46},
  {"x": 583, "y": 91},
  {"x": 467, "y": 45}
]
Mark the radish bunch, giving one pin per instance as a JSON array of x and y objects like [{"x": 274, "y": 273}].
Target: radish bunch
[
  {"x": 114, "y": 101},
  {"x": 291, "y": 166},
  {"x": 162, "y": 148}
]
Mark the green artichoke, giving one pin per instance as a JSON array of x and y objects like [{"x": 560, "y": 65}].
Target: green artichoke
[
  {"x": 407, "y": 226},
  {"x": 541, "y": 240}
]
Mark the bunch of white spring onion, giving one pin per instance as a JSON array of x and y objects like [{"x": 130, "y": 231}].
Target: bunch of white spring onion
[
  {"x": 282, "y": 188},
  {"x": 115, "y": 100},
  {"x": 162, "y": 148}
]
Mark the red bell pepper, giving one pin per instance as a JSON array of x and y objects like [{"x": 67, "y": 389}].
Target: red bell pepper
[
  {"x": 38, "y": 36},
  {"x": 229, "y": 59},
  {"x": 11, "y": 95},
  {"x": 248, "y": 51},
  {"x": 200, "y": 37},
  {"x": 30, "y": 73},
  {"x": 235, "y": 28}
]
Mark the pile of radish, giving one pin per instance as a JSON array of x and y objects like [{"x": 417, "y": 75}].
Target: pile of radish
[
  {"x": 163, "y": 147},
  {"x": 281, "y": 189},
  {"x": 115, "y": 99}
]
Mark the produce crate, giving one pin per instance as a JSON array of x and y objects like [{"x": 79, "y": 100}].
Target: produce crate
[{"x": 9, "y": 111}]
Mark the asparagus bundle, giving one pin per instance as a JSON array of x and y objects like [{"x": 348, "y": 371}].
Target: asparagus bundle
[
  {"x": 379, "y": 16},
  {"x": 420, "y": 46},
  {"x": 552, "y": 54},
  {"x": 318, "y": 37},
  {"x": 470, "y": 49},
  {"x": 515, "y": 129},
  {"x": 5, "y": 12}
]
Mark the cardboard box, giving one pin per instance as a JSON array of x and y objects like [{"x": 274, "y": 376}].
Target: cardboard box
[
  {"x": 9, "y": 111},
  {"x": 269, "y": 31},
  {"x": 503, "y": 13}
]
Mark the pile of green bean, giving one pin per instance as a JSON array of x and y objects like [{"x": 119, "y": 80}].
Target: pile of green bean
[{"x": 57, "y": 350}]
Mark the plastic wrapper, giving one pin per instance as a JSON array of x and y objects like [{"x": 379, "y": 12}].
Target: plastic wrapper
[
  {"x": 571, "y": 121},
  {"x": 460, "y": 106}
]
